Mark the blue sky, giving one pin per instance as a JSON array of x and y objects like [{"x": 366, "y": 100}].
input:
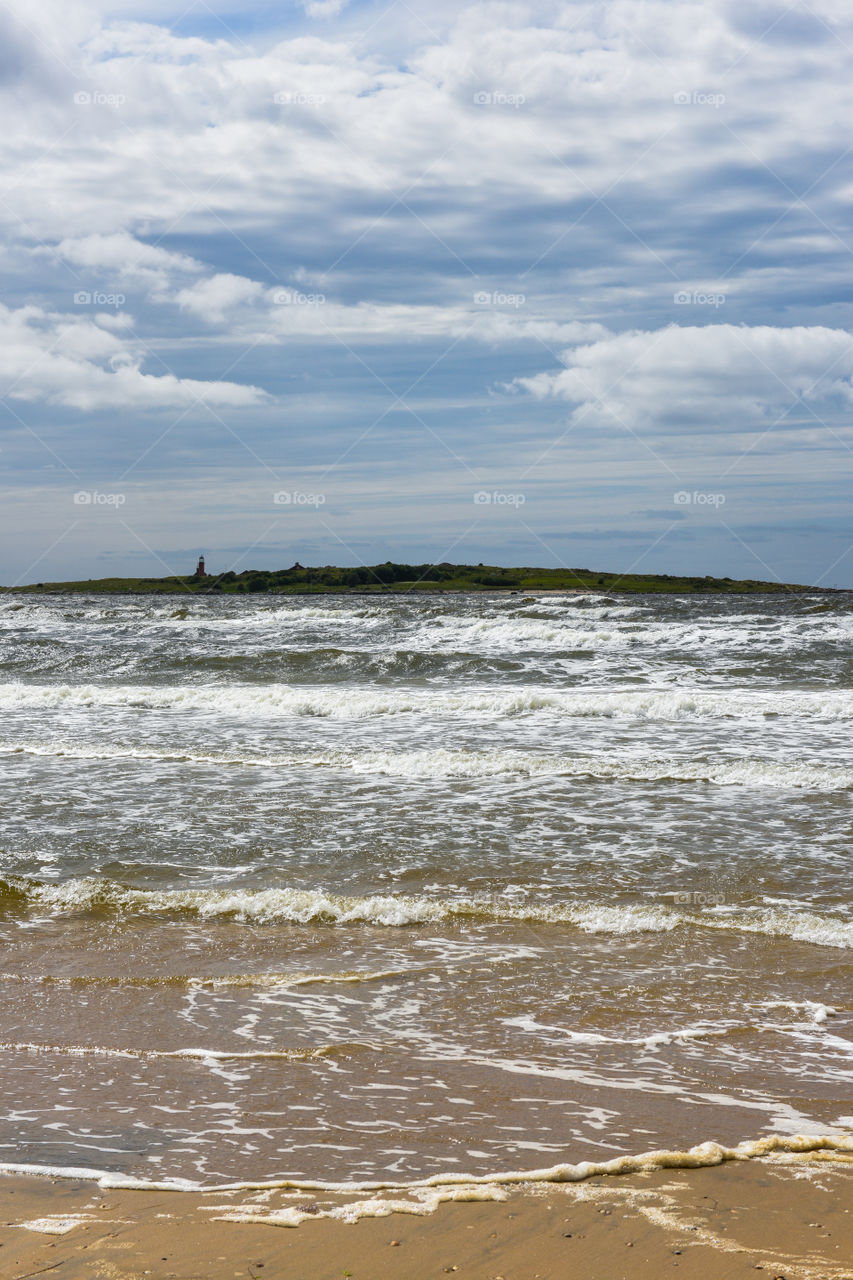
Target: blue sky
[{"x": 514, "y": 283}]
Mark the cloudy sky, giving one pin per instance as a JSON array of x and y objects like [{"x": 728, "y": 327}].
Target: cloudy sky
[{"x": 551, "y": 283}]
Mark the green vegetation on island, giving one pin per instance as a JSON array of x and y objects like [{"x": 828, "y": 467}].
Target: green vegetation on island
[{"x": 401, "y": 578}]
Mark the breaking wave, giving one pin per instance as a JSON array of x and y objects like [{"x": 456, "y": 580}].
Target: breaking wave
[
  {"x": 445, "y": 763},
  {"x": 702, "y": 1156},
  {"x": 312, "y": 906},
  {"x": 364, "y": 702}
]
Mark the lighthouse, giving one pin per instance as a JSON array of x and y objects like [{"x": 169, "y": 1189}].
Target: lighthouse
[{"x": 199, "y": 570}]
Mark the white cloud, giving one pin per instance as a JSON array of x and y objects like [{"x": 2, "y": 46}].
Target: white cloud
[
  {"x": 716, "y": 375},
  {"x": 399, "y": 169},
  {"x": 125, "y": 254},
  {"x": 323, "y": 8},
  {"x": 120, "y": 261},
  {"x": 216, "y": 295},
  {"x": 71, "y": 361},
  {"x": 245, "y": 311},
  {"x": 198, "y": 136}
]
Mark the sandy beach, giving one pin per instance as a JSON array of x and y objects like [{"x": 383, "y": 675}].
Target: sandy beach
[
  {"x": 778, "y": 1218},
  {"x": 426, "y": 640}
]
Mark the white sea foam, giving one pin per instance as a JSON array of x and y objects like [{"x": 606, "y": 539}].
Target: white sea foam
[
  {"x": 441, "y": 762},
  {"x": 605, "y": 631},
  {"x": 700, "y": 1031},
  {"x": 704, "y": 1155},
  {"x": 362, "y": 702},
  {"x": 303, "y": 906},
  {"x": 816, "y": 1010},
  {"x": 801, "y": 926},
  {"x": 59, "y": 1225},
  {"x": 421, "y": 1201},
  {"x": 224, "y": 981},
  {"x": 200, "y": 1055},
  {"x": 654, "y": 1040}
]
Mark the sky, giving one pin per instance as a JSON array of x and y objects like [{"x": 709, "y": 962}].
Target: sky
[{"x": 559, "y": 284}]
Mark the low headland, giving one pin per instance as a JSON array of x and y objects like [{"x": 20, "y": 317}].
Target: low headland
[{"x": 391, "y": 578}]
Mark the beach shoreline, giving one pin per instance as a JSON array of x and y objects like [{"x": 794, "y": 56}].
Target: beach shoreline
[
  {"x": 517, "y": 936},
  {"x": 777, "y": 1217}
]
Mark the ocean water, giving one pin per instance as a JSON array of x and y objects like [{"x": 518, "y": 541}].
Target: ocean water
[{"x": 351, "y": 889}]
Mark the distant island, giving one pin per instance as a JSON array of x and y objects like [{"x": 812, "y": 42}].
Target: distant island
[{"x": 390, "y": 578}]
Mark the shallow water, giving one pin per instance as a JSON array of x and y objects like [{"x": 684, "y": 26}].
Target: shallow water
[{"x": 353, "y": 888}]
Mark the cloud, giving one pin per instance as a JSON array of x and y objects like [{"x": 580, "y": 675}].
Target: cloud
[
  {"x": 323, "y": 8},
  {"x": 508, "y": 136},
  {"x": 121, "y": 260},
  {"x": 580, "y": 166},
  {"x": 218, "y": 294},
  {"x": 67, "y": 360},
  {"x": 708, "y": 377},
  {"x": 124, "y": 253},
  {"x": 296, "y": 316}
]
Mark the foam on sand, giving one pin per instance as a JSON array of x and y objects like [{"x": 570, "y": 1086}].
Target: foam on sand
[
  {"x": 421, "y": 1202},
  {"x": 58, "y": 1225},
  {"x": 704, "y": 1155}
]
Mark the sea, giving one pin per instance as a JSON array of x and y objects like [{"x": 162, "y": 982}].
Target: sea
[{"x": 381, "y": 889}]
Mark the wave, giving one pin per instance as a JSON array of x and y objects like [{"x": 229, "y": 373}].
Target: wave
[
  {"x": 362, "y": 702},
  {"x": 312, "y": 906},
  {"x": 347, "y": 1049},
  {"x": 616, "y": 630},
  {"x": 575, "y": 624},
  {"x": 813, "y": 1015},
  {"x": 702, "y": 1156},
  {"x": 201, "y": 1055},
  {"x": 348, "y": 977},
  {"x": 445, "y": 763},
  {"x": 278, "y": 660}
]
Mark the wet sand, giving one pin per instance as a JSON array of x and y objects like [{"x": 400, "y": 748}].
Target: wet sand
[{"x": 773, "y": 1218}]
